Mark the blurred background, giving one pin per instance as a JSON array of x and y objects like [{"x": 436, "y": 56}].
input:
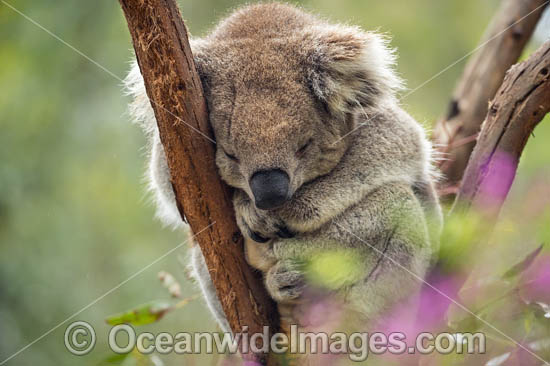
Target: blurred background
[{"x": 75, "y": 220}]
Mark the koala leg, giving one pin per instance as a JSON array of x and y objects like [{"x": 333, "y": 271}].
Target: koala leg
[
  {"x": 398, "y": 273},
  {"x": 201, "y": 274},
  {"x": 383, "y": 239},
  {"x": 259, "y": 255}
]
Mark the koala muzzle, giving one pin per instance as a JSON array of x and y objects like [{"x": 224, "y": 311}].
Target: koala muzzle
[{"x": 270, "y": 188}]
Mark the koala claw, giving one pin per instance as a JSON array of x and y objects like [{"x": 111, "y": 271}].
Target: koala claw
[
  {"x": 258, "y": 238},
  {"x": 260, "y": 226},
  {"x": 285, "y": 281}
]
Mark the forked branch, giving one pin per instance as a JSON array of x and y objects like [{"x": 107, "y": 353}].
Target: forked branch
[{"x": 501, "y": 47}]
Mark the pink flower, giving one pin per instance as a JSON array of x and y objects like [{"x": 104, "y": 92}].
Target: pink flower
[
  {"x": 498, "y": 174},
  {"x": 535, "y": 281}
]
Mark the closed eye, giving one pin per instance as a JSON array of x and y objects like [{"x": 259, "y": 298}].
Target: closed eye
[
  {"x": 231, "y": 157},
  {"x": 304, "y": 147}
]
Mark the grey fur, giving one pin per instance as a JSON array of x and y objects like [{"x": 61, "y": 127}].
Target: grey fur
[{"x": 276, "y": 79}]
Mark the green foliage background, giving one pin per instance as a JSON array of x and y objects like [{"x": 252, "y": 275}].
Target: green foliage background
[{"x": 74, "y": 217}]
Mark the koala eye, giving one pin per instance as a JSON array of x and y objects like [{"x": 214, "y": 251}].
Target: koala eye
[
  {"x": 303, "y": 149},
  {"x": 231, "y": 157}
]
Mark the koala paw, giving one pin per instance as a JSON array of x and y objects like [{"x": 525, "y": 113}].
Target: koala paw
[
  {"x": 285, "y": 281},
  {"x": 260, "y": 226}
]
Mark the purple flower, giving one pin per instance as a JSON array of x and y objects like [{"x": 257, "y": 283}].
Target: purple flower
[
  {"x": 498, "y": 174},
  {"x": 535, "y": 281}
]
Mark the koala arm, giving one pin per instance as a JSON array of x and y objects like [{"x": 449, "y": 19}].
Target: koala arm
[
  {"x": 378, "y": 154},
  {"x": 381, "y": 236}
]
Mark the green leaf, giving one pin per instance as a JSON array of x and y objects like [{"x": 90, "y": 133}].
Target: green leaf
[
  {"x": 471, "y": 323},
  {"x": 523, "y": 265},
  {"x": 144, "y": 314},
  {"x": 528, "y": 321}
]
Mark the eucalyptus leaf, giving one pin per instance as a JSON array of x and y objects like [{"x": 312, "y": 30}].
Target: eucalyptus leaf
[
  {"x": 523, "y": 265},
  {"x": 144, "y": 314},
  {"x": 471, "y": 323}
]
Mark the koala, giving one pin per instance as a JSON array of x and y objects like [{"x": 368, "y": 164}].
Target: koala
[{"x": 322, "y": 158}]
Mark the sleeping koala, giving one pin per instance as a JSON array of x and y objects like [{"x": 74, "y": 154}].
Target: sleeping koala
[{"x": 322, "y": 158}]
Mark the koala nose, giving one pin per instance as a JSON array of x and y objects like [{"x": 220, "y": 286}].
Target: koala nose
[{"x": 270, "y": 188}]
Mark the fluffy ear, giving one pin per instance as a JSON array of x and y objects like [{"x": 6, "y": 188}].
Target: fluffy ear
[
  {"x": 349, "y": 69},
  {"x": 203, "y": 63}
]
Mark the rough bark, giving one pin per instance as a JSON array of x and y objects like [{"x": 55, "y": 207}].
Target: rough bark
[
  {"x": 174, "y": 88},
  {"x": 520, "y": 104},
  {"x": 501, "y": 46}
]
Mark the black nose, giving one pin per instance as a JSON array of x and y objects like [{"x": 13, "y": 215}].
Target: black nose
[{"x": 270, "y": 188}]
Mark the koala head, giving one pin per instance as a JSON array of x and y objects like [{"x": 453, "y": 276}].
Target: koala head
[{"x": 283, "y": 88}]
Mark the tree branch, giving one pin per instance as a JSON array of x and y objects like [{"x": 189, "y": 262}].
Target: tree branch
[
  {"x": 502, "y": 45},
  {"x": 520, "y": 104},
  {"x": 174, "y": 88}
]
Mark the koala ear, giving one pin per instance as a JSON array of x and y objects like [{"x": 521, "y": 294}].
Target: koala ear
[
  {"x": 202, "y": 61},
  {"x": 348, "y": 69}
]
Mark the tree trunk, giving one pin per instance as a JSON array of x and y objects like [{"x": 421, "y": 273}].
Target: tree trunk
[
  {"x": 502, "y": 45},
  {"x": 174, "y": 88}
]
